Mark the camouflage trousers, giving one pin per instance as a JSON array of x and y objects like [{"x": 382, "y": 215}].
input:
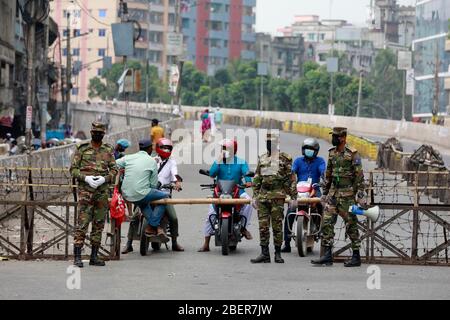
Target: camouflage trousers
[
  {"x": 339, "y": 206},
  {"x": 271, "y": 212},
  {"x": 93, "y": 207}
]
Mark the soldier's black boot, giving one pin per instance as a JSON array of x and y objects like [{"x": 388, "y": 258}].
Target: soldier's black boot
[
  {"x": 287, "y": 247},
  {"x": 278, "y": 258},
  {"x": 263, "y": 257},
  {"x": 326, "y": 259},
  {"x": 95, "y": 261},
  {"x": 77, "y": 257},
  {"x": 355, "y": 260}
]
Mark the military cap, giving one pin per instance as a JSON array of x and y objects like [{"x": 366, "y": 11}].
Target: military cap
[
  {"x": 145, "y": 143},
  {"x": 339, "y": 131},
  {"x": 98, "y": 126}
]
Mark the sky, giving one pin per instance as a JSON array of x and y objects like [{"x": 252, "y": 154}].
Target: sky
[{"x": 274, "y": 14}]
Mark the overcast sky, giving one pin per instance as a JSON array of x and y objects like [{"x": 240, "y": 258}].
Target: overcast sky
[{"x": 274, "y": 14}]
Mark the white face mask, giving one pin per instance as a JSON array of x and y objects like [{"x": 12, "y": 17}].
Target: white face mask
[{"x": 226, "y": 154}]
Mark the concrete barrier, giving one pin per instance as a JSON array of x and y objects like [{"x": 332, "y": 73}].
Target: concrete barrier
[
  {"x": 115, "y": 116},
  {"x": 437, "y": 136},
  {"x": 60, "y": 157}
]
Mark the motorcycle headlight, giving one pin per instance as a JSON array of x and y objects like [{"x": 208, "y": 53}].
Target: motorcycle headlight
[{"x": 226, "y": 196}]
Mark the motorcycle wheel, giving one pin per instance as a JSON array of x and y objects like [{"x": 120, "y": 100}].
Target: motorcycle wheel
[
  {"x": 300, "y": 239},
  {"x": 156, "y": 246},
  {"x": 143, "y": 248},
  {"x": 224, "y": 236}
]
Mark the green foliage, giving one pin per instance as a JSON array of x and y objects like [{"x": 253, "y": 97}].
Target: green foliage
[{"x": 238, "y": 86}]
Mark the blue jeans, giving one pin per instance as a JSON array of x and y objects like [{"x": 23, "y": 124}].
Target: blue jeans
[{"x": 153, "y": 216}]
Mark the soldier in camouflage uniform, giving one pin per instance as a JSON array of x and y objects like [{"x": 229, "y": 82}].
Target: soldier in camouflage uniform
[
  {"x": 93, "y": 165},
  {"x": 273, "y": 181},
  {"x": 343, "y": 187}
]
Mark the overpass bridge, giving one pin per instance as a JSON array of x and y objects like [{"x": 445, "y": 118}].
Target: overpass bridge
[{"x": 193, "y": 275}]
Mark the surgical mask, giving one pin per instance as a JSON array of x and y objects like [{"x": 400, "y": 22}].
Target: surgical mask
[
  {"x": 97, "y": 136},
  {"x": 335, "y": 141},
  {"x": 226, "y": 154},
  {"x": 309, "y": 153}
]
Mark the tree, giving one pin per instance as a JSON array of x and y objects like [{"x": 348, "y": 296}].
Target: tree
[{"x": 387, "y": 85}]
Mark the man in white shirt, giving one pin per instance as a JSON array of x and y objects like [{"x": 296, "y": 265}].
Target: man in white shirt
[{"x": 167, "y": 174}]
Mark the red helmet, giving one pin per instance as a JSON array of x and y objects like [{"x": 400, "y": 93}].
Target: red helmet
[
  {"x": 164, "y": 148},
  {"x": 229, "y": 144}
]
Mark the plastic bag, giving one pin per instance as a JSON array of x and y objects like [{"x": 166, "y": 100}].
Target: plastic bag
[{"x": 117, "y": 207}]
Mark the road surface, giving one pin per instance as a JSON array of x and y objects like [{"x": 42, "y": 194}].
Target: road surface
[{"x": 194, "y": 275}]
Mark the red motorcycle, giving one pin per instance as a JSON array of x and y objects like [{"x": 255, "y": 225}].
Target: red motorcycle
[
  {"x": 308, "y": 219},
  {"x": 227, "y": 222}
]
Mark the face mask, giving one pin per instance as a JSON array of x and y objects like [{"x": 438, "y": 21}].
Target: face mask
[
  {"x": 226, "y": 154},
  {"x": 97, "y": 137},
  {"x": 335, "y": 141},
  {"x": 309, "y": 153}
]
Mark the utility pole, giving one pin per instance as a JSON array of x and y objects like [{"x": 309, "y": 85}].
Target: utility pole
[
  {"x": 437, "y": 88},
  {"x": 123, "y": 18},
  {"x": 44, "y": 85},
  {"x": 358, "y": 109},
  {"x": 68, "y": 73},
  {"x": 147, "y": 58},
  {"x": 30, "y": 73}
]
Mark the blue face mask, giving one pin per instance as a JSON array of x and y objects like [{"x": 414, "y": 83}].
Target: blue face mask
[{"x": 309, "y": 153}]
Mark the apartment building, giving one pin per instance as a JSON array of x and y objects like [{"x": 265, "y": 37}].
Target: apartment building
[{"x": 218, "y": 31}]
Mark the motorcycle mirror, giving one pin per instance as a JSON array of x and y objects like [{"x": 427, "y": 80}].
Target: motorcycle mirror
[
  {"x": 250, "y": 174},
  {"x": 204, "y": 172}
]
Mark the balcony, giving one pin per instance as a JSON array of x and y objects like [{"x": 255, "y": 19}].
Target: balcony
[
  {"x": 248, "y": 55},
  {"x": 218, "y": 34},
  {"x": 249, "y": 37},
  {"x": 251, "y": 3},
  {"x": 249, "y": 20}
]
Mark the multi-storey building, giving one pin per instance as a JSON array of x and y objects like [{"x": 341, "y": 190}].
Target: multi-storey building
[
  {"x": 7, "y": 52},
  {"x": 312, "y": 29},
  {"x": 91, "y": 38},
  {"x": 218, "y": 31},
  {"x": 284, "y": 55},
  {"x": 92, "y": 41},
  {"x": 431, "y": 60}
]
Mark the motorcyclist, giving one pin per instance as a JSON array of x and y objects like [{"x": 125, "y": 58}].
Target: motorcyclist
[
  {"x": 308, "y": 166},
  {"x": 167, "y": 174},
  {"x": 229, "y": 167},
  {"x": 121, "y": 146}
]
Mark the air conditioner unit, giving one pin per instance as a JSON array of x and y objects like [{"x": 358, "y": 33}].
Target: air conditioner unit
[
  {"x": 447, "y": 84},
  {"x": 447, "y": 45}
]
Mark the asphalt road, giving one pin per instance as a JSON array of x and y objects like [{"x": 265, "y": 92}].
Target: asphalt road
[{"x": 194, "y": 275}]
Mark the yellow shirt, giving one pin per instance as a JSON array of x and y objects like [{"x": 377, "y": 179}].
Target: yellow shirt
[{"x": 156, "y": 133}]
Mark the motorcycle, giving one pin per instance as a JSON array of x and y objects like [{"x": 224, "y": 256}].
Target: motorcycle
[
  {"x": 146, "y": 241},
  {"x": 308, "y": 220},
  {"x": 227, "y": 222}
]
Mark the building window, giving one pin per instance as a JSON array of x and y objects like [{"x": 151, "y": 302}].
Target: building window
[
  {"x": 154, "y": 56},
  {"x": 101, "y": 52},
  {"x": 76, "y": 52},
  {"x": 311, "y": 36},
  {"x": 76, "y": 32},
  {"x": 185, "y": 23},
  {"x": 99, "y": 72},
  {"x": 102, "y": 13},
  {"x": 65, "y": 32},
  {"x": 65, "y": 52},
  {"x": 280, "y": 55},
  {"x": 101, "y": 32},
  {"x": 156, "y": 17},
  {"x": 74, "y": 91}
]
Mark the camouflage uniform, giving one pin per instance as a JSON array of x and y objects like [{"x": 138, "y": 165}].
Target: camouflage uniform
[
  {"x": 344, "y": 179},
  {"x": 272, "y": 182},
  {"x": 93, "y": 203}
]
